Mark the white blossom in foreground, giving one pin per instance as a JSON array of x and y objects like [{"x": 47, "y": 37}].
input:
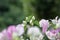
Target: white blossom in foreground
[
  {"x": 34, "y": 33},
  {"x": 20, "y": 29}
]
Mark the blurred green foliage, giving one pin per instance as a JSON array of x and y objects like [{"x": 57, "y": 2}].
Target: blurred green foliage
[{"x": 14, "y": 11}]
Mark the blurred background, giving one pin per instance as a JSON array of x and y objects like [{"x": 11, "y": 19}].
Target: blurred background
[{"x": 13, "y": 12}]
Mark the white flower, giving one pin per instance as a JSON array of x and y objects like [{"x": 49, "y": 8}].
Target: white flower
[
  {"x": 20, "y": 29},
  {"x": 33, "y": 31},
  {"x": 54, "y": 21},
  {"x": 35, "y": 34}
]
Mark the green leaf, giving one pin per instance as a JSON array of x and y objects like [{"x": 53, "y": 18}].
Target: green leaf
[{"x": 36, "y": 23}]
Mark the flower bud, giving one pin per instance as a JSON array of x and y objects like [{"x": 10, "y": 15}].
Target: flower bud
[
  {"x": 26, "y": 18},
  {"x": 33, "y": 18}
]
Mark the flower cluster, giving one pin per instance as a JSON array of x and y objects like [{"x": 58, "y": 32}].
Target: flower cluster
[{"x": 31, "y": 29}]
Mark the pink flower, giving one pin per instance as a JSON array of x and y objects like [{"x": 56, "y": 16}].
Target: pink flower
[
  {"x": 10, "y": 31},
  {"x": 52, "y": 34},
  {"x": 44, "y": 24}
]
